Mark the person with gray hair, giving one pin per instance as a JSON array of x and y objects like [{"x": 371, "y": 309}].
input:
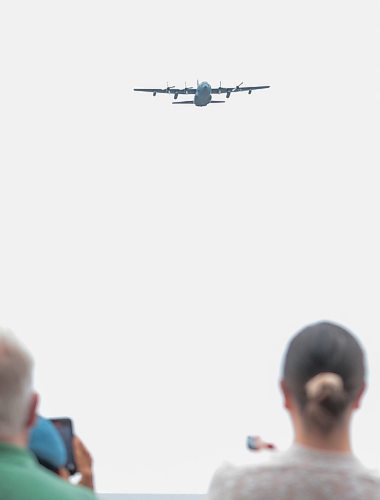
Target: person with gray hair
[
  {"x": 323, "y": 381},
  {"x": 21, "y": 477}
]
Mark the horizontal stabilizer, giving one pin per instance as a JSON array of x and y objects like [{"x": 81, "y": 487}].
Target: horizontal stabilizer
[
  {"x": 215, "y": 102},
  {"x": 183, "y": 102}
]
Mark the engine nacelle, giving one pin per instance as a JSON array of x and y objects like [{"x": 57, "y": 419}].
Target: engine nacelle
[
  {"x": 175, "y": 96},
  {"x": 249, "y": 91},
  {"x": 228, "y": 95},
  {"x": 154, "y": 94}
]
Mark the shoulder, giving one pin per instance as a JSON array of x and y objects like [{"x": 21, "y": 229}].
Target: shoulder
[
  {"x": 369, "y": 476},
  {"x": 36, "y": 482},
  {"x": 287, "y": 472},
  {"x": 222, "y": 482},
  {"x": 230, "y": 481},
  {"x": 21, "y": 477}
]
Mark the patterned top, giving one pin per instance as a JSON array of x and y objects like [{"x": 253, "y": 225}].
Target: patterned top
[{"x": 298, "y": 474}]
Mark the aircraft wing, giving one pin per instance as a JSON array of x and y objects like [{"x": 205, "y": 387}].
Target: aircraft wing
[
  {"x": 169, "y": 90},
  {"x": 229, "y": 90},
  {"x": 247, "y": 89},
  {"x": 158, "y": 91}
]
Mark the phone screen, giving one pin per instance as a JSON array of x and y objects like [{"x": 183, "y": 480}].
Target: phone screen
[{"x": 65, "y": 428}]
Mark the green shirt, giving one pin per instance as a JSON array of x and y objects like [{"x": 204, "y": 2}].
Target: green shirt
[{"x": 22, "y": 478}]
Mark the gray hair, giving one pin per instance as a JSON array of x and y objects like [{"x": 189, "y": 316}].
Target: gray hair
[{"x": 16, "y": 367}]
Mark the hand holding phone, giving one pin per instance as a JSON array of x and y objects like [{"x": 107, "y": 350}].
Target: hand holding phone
[
  {"x": 83, "y": 461},
  {"x": 255, "y": 443}
]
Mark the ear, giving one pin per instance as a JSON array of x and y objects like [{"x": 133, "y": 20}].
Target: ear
[
  {"x": 32, "y": 412},
  {"x": 286, "y": 394},
  {"x": 357, "y": 401}
]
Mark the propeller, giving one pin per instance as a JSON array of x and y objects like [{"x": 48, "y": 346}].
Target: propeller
[
  {"x": 238, "y": 86},
  {"x": 168, "y": 88},
  {"x": 187, "y": 88},
  {"x": 220, "y": 87}
]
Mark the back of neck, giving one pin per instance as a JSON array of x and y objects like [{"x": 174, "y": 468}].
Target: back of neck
[{"x": 337, "y": 441}]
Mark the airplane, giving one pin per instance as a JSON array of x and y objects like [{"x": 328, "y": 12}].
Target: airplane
[{"x": 203, "y": 92}]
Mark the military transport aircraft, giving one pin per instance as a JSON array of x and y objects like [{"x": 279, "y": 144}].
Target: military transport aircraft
[{"x": 203, "y": 92}]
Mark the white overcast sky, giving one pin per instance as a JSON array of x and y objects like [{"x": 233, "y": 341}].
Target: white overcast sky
[{"x": 157, "y": 258}]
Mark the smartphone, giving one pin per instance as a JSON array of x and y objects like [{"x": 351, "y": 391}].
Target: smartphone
[
  {"x": 256, "y": 443},
  {"x": 251, "y": 443},
  {"x": 64, "y": 426}
]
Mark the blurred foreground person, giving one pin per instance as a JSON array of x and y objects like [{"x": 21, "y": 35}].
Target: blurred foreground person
[
  {"x": 21, "y": 477},
  {"x": 323, "y": 382}
]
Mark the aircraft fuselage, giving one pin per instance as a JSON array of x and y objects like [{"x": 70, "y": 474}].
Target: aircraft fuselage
[{"x": 203, "y": 94}]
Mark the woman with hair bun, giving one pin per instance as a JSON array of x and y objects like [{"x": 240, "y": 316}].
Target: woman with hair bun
[{"x": 322, "y": 383}]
